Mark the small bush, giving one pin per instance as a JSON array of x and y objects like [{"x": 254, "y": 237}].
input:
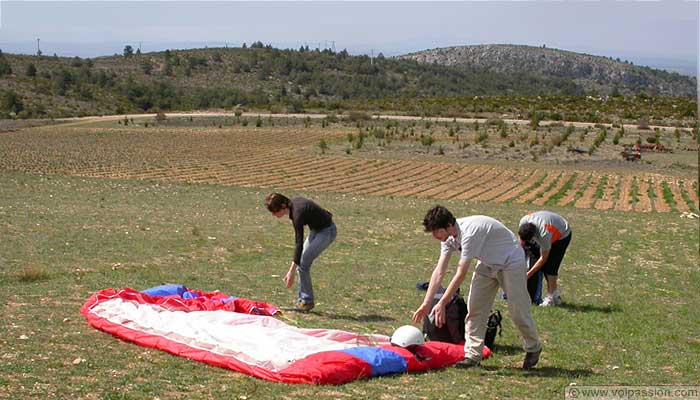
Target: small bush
[
  {"x": 378, "y": 133},
  {"x": 32, "y": 274},
  {"x": 481, "y": 137},
  {"x": 359, "y": 116},
  {"x": 503, "y": 131}
]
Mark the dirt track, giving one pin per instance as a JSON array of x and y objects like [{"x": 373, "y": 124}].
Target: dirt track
[{"x": 81, "y": 120}]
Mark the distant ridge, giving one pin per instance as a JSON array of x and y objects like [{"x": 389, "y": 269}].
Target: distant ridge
[
  {"x": 261, "y": 76},
  {"x": 593, "y": 73}
]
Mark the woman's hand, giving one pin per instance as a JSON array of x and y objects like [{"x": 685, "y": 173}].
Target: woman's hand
[{"x": 289, "y": 277}]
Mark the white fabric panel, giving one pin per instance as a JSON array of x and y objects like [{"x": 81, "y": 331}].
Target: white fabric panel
[{"x": 257, "y": 340}]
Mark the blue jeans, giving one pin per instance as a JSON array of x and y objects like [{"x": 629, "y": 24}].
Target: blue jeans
[{"x": 315, "y": 244}]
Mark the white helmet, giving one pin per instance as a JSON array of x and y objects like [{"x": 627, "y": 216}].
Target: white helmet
[{"x": 407, "y": 335}]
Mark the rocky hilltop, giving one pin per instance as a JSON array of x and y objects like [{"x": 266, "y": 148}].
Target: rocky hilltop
[{"x": 593, "y": 73}]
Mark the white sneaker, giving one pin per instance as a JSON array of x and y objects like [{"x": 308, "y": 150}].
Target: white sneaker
[
  {"x": 557, "y": 299},
  {"x": 548, "y": 301}
]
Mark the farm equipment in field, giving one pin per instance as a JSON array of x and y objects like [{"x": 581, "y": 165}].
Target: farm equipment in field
[
  {"x": 657, "y": 147},
  {"x": 632, "y": 153}
]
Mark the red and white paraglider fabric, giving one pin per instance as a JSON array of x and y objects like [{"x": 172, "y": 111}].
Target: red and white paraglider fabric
[{"x": 244, "y": 336}]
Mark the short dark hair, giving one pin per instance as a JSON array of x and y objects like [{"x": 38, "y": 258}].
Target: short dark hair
[
  {"x": 527, "y": 231},
  {"x": 275, "y": 201},
  {"x": 438, "y": 217}
]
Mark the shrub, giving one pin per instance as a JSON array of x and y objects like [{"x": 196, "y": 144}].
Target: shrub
[
  {"x": 535, "y": 121},
  {"x": 11, "y": 102},
  {"x": 600, "y": 138},
  {"x": 495, "y": 122},
  {"x": 618, "y": 136},
  {"x": 503, "y": 131},
  {"x": 557, "y": 140},
  {"x": 481, "y": 137},
  {"x": 31, "y": 70},
  {"x": 359, "y": 142},
  {"x": 32, "y": 274},
  {"x": 359, "y": 116},
  {"x": 427, "y": 141},
  {"x": 378, "y": 133}
]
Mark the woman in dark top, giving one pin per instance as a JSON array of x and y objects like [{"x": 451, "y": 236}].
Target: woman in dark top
[{"x": 322, "y": 232}]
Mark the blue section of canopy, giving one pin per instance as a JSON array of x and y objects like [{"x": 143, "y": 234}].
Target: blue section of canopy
[
  {"x": 382, "y": 361},
  {"x": 166, "y": 290},
  {"x": 180, "y": 290}
]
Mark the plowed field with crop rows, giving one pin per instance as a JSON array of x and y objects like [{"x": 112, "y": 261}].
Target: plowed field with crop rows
[{"x": 281, "y": 158}]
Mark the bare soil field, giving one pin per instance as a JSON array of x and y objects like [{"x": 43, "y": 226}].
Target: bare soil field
[{"x": 423, "y": 159}]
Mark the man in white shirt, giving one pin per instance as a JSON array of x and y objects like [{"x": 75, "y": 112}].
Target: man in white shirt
[{"x": 500, "y": 263}]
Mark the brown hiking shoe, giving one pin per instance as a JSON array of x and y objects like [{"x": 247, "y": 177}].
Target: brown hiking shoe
[
  {"x": 468, "y": 363},
  {"x": 531, "y": 359},
  {"x": 304, "y": 306}
]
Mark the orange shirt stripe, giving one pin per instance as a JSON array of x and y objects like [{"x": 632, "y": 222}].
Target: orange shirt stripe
[{"x": 555, "y": 232}]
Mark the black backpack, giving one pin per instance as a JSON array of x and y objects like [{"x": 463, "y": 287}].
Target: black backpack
[
  {"x": 493, "y": 326},
  {"x": 453, "y": 329}
]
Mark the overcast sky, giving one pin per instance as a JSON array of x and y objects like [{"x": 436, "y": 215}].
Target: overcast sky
[{"x": 658, "y": 30}]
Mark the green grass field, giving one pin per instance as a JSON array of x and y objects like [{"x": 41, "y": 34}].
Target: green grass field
[{"x": 629, "y": 283}]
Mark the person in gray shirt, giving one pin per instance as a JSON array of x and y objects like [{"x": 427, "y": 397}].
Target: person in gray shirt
[
  {"x": 553, "y": 234},
  {"x": 500, "y": 263}
]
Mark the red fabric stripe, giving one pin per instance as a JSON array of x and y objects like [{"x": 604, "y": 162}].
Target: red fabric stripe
[
  {"x": 322, "y": 368},
  {"x": 329, "y": 367},
  {"x": 333, "y": 367}
]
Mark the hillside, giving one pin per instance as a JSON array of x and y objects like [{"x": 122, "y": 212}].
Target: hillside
[
  {"x": 260, "y": 76},
  {"x": 593, "y": 73}
]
